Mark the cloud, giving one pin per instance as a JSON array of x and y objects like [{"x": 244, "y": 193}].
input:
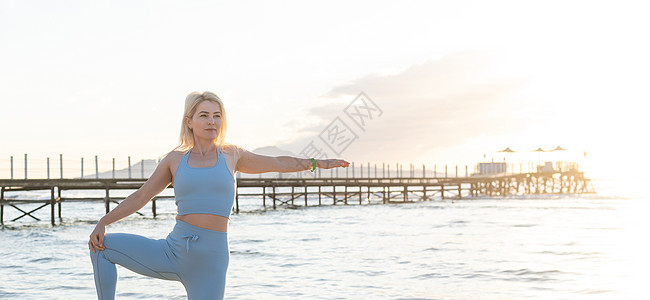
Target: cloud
[{"x": 437, "y": 104}]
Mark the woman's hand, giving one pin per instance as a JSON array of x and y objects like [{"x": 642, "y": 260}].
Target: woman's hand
[
  {"x": 331, "y": 163},
  {"x": 97, "y": 238}
]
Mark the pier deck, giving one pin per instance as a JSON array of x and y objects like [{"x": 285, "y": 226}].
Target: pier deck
[{"x": 329, "y": 191}]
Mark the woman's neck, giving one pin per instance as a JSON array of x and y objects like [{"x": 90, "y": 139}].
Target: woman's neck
[{"x": 204, "y": 147}]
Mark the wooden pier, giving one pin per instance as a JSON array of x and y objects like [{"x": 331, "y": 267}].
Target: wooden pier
[{"x": 328, "y": 191}]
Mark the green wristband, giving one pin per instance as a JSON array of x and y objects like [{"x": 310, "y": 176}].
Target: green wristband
[{"x": 313, "y": 161}]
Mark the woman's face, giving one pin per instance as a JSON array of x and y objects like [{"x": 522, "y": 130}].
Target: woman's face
[{"x": 206, "y": 121}]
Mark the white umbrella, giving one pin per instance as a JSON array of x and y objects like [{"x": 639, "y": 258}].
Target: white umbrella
[
  {"x": 539, "y": 154},
  {"x": 558, "y": 148},
  {"x": 508, "y": 151}
]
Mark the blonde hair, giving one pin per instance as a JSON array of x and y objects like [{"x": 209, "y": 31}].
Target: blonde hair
[{"x": 186, "y": 138}]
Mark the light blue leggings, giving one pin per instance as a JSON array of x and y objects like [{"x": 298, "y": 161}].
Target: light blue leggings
[{"x": 196, "y": 257}]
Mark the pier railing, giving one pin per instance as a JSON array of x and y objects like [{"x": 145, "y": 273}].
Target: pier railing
[{"x": 94, "y": 167}]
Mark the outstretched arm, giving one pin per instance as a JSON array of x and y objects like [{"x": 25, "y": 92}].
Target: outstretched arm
[{"x": 251, "y": 163}]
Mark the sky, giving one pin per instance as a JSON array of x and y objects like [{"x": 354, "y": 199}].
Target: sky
[{"x": 455, "y": 81}]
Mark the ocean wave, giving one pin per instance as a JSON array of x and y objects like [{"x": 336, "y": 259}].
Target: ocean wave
[{"x": 530, "y": 275}]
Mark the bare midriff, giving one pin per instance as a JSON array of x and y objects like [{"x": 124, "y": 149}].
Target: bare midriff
[{"x": 206, "y": 221}]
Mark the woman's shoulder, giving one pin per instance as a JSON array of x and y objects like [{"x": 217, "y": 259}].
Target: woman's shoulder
[
  {"x": 173, "y": 156},
  {"x": 234, "y": 150},
  {"x": 176, "y": 153},
  {"x": 231, "y": 148}
]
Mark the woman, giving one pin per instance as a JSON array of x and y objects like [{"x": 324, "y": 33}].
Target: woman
[{"x": 196, "y": 252}]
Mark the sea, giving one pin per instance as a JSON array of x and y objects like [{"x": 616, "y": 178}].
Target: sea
[{"x": 589, "y": 246}]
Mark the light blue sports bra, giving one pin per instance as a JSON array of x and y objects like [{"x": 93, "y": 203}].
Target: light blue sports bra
[{"x": 208, "y": 190}]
